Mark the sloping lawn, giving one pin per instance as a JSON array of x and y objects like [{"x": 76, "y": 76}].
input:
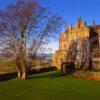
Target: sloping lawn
[{"x": 50, "y": 86}]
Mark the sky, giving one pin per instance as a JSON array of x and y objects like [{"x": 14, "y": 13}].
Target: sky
[
  {"x": 89, "y": 10},
  {"x": 71, "y": 9}
]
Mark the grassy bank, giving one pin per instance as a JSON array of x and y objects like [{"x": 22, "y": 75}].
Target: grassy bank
[{"x": 7, "y": 64}]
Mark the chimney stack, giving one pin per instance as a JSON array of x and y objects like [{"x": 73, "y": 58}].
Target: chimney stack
[{"x": 79, "y": 19}]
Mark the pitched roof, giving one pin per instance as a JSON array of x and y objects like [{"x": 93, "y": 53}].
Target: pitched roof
[{"x": 95, "y": 28}]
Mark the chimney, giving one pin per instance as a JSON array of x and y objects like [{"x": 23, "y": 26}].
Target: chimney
[
  {"x": 93, "y": 23},
  {"x": 79, "y": 19}
]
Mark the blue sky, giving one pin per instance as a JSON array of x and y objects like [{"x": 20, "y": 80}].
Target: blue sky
[{"x": 70, "y": 10}]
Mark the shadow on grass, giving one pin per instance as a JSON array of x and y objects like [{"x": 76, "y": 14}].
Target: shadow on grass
[
  {"x": 51, "y": 75},
  {"x": 8, "y": 76}
]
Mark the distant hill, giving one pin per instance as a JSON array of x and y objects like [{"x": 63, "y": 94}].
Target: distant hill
[{"x": 45, "y": 55}]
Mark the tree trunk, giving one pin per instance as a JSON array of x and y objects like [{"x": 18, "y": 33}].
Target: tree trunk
[
  {"x": 18, "y": 67},
  {"x": 23, "y": 74},
  {"x": 19, "y": 73}
]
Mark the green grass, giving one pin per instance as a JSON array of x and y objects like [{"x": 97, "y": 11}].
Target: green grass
[{"x": 50, "y": 86}]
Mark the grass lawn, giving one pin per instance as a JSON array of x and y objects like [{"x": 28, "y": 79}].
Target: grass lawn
[{"x": 50, "y": 86}]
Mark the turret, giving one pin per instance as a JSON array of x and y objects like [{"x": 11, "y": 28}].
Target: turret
[
  {"x": 93, "y": 23},
  {"x": 79, "y": 21}
]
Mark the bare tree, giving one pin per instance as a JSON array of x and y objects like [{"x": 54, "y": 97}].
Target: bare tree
[
  {"x": 24, "y": 27},
  {"x": 72, "y": 51},
  {"x": 84, "y": 52},
  {"x": 78, "y": 53}
]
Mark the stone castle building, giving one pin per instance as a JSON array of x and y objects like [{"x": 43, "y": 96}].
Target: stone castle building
[{"x": 79, "y": 32}]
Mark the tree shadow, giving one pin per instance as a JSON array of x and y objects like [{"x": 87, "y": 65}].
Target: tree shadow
[
  {"x": 51, "y": 75},
  {"x": 9, "y": 76},
  {"x": 55, "y": 74}
]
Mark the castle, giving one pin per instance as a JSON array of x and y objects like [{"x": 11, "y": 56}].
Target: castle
[{"x": 79, "y": 32}]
